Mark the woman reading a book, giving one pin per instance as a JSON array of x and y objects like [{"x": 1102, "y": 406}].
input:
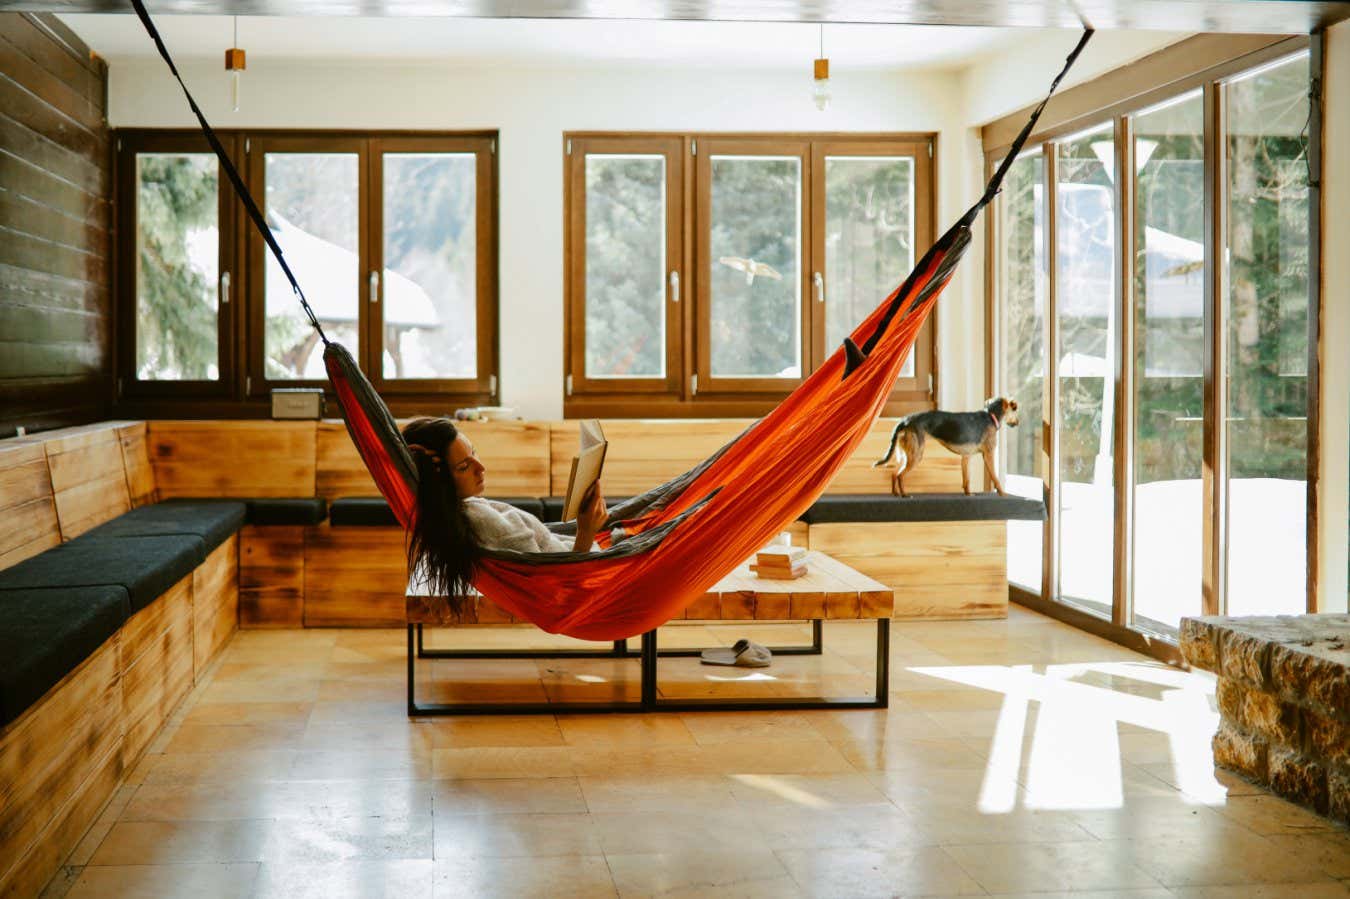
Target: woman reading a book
[{"x": 455, "y": 522}]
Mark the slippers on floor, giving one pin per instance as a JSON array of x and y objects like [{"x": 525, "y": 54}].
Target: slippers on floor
[{"x": 743, "y": 654}]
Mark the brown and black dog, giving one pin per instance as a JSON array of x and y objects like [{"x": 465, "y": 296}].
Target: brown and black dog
[{"x": 964, "y": 433}]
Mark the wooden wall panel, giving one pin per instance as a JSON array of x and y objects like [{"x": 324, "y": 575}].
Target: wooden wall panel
[
  {"x": 643, "y": 454},
  {"x": 136, "y": 462},
  {"x": 354, "y": 577},
  {"x": 938, "y": 569},
  {"x": 271, "y": 576},
  {"x": 88, "y": 478},
  {"x": 53, "y": 759},
  {"x": 233, "y": 458},
  {"x": 28, "y": 522},
  {"x": 55, "y": 205},
  {"x": 215, "y": 603},
  {"x": 516, "y": 455},
  {"x": 156, "y": 666}
]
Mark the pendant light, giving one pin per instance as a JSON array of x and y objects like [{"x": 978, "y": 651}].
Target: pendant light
[
  {"x": 234, "y": 64},
  {"x": 820, "y": 85}
]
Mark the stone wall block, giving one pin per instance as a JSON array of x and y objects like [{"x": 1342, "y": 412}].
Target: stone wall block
[
  {"x": 1297, "y": 777},
  {"x": 1240, "y": 752},
  {"x": 1338, "y": 795},
  {"x": 1245, "y": 658},
  {"x": 1200, "y": 643},
  {"x": 1328, "y": 738},
  {"x": 1317, "y": 675},
  {"x": 1230, "y": 696},
  {"x": 1266, "y": 714}
]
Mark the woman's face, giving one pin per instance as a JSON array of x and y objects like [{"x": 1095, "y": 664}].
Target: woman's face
[{"x": 467, "y": 470}]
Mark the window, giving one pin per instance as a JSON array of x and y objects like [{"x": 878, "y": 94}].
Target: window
[
  {"x": 711, "y": 274},
  {"x": 1179, "y": 387},
  {"x": 392, "y": 238}
]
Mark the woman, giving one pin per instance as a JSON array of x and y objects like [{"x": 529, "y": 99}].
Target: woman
[{"x": 455, "y": 523}]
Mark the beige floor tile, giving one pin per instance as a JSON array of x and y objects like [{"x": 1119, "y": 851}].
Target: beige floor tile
[
  {"x": 196, "y": 767},
  {"x": 614, "y": 731},
  {"x": 905, "y": 755},
  {"x": 927, "y": 871},
  {"x": 200, "y": 881},
  {"x": 502, "y": 761},
  {"x": 1236, "y": 859},
  {"x": 174, "y": 842},
  {"x": 500, "y": 796},
  {"x": 751, "y": 728},
  {"x": 1329, "y": 852},
  {"x": 339, "y": 839},
  {"x": 407, "y": 735},
  {"x": 361, "y": 713},
  {"x": 708, "y": 793},
  {"x": 235, "y": 737},
  {"x": 881, "y": 827},
  {"x": 362, "y": 764},
  {"x": 811, "y": 791},
  {"x": 296, "y": 800},
  {"x": 266, "y": 691},
  {"x": 112, "y": 812},
  {"x": 948, "y": 787},
  {"x": 1029, "y": 867},
  {"x": 1267, "y": 814},
  {"x": 801, "y": 757},
  {"x": 628, "y": 833},
  {"x": 1266, "y": 891},
  {"x": 1156, "y": 817},
  {"x": 701, "y": 872},
  {"x": 651, "y": 761},
  {"x": 516, "y": 835},
  {"x": 391, "y": 879},
  {"x": 576, "y": 877},
  {"x": 510, "y": 730},
  {"x": 872, "y": 727},
  {"x": 296, "y": 713},
  {"x": 1157, "y": 893},
  {"x": 1206, "y": 782}
]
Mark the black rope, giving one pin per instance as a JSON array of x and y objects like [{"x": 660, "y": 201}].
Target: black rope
[
  {"x": 952, "y": 239},
  {"x": 230, "y": 171}
]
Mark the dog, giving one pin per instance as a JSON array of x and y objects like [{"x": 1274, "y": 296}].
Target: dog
[{"x": 964, "y": 433}]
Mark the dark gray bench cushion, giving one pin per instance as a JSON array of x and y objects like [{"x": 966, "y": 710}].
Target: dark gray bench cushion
[
  {"x": 553, "y": 505},
  {"x": 844, "y": 508},
  {"x": 212, "y": 520},
  {"x": 46, "y": 632},
  {"x": 373, "y": 511},
  {"x": 145, "y": 567},
  {"x": 268, "y": 510}
]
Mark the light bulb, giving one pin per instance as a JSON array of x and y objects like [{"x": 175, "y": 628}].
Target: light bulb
[{"x": 234, "y": 88}]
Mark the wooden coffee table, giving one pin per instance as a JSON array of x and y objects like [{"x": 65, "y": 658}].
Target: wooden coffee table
[{"x": 831, "y": 590}]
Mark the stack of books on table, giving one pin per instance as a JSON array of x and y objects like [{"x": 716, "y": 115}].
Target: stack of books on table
[{"x": 780, "y": 562}]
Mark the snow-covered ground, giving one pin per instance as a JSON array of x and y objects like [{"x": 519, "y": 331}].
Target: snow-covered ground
[{"x": 1267, "y": 555}]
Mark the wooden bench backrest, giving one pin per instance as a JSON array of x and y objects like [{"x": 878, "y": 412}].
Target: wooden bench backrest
[
  {"x": 89, "y": 480},
  {"x": 643, "y": 454},
  {"x": 136, "y": 461},
  {"x": 233, "y": 458},
  {"x": 28, "y": 522},
  {"x": 515, "y": 453}
]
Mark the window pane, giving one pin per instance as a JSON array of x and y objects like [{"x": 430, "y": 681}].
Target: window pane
[
  {"x": 1267, "y": 335},
  {"x": 430, "y": 295},
  {"x": 312, "y": 207},
  {"x": 1169, "y": 308},
  {"x": 756, "y": 279},
  {"x": 625, "y": 266},
  {"x": 178, "y": 270},
  {"x": 1085, "y": 244},
  {"x": 869, "y": 239},
  {"x": 1023, "y": 355}
]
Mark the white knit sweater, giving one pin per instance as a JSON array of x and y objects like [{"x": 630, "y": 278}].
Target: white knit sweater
[{"x": 499, "y": 525}]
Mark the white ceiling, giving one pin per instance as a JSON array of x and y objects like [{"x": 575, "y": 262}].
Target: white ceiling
[{"x": 546, "y": 42}]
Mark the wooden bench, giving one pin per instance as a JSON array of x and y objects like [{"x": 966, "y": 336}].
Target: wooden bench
[{"x": 830, "y": 591}]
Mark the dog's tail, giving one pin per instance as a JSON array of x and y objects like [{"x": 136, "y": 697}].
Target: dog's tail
[{"x": 895, "y": 439}]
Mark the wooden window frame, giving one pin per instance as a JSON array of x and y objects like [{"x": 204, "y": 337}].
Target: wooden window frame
[
  {"x": 689, "y": 388},
  {"x": 1205, "y": 62},
  {"x": 128, "y": 145},
  {"x": 243, "y": 390}
]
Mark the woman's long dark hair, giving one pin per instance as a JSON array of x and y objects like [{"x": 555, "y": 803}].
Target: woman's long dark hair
[{"x": 442, "y": 548}]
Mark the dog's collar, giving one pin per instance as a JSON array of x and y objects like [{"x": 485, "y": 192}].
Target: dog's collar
[{"x": 993, "y": 418}]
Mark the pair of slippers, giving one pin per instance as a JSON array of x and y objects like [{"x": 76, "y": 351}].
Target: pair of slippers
[{"x": 743, "y": 654}]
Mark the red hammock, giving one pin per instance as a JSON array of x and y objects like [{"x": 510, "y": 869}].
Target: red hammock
[{"x": 691, "y": 532}]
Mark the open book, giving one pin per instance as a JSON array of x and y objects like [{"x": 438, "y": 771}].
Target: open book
[{"x": 586, "y": 465}]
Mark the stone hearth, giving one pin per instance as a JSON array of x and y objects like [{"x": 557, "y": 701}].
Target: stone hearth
[{"x": 1284, "y": 702}]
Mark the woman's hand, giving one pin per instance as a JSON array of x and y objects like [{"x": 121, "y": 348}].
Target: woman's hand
[{"x": 591, "y": 519}]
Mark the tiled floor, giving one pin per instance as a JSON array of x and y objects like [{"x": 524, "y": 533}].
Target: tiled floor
[{"x": 1017, "y": 757}]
